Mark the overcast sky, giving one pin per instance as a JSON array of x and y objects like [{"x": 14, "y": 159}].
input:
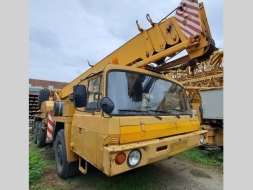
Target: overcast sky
[{"x": 64, "y": 34}]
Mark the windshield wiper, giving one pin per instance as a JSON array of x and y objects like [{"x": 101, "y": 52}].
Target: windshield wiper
[
  {"x": 177, "y": 115},
  {"x": 140, "y": 111},
  {"x": 182, "y": 111},
  {"x": 157, "y": 116},
  {"x": 158, "y": 111}
]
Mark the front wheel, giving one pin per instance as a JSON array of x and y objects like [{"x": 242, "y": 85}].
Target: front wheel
[{"x": 64, "y": 169}]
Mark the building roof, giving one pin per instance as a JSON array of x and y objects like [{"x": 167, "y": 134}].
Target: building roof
[{"x": 46, "y": 84}]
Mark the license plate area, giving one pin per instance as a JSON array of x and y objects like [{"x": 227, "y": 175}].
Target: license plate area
[{"x": 178, "y": 146}]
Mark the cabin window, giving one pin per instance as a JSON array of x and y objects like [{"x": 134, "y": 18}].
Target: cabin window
[{"x": 94, "y": 94}]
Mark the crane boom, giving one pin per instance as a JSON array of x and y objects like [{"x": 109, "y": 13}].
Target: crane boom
[{"x": 164, "y": 39}]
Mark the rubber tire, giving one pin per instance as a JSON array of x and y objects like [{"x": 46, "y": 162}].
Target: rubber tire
[
  {"x": 64, "y": 169},
  {"x": 41, "y": 135},
  {"x": 35, "y": 132},
  {"x": 43, "y": 96}
]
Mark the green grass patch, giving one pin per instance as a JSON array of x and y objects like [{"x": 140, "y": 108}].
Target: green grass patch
[
  {"x": 37, "y": 162},
  {"x": 197, "y": 155},
  {"x": 36, "y": 166}
]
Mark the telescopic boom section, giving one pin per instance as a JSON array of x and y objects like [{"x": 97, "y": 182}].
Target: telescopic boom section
[{"x": 187, "y": 30}]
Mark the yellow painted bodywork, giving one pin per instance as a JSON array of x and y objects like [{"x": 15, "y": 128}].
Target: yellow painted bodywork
[
  {"x": 68, "y": 109},
  {"x": 92, "y": 135},
  {"x": 149, "y": 128},
  {"x": 47, "y": 106}
]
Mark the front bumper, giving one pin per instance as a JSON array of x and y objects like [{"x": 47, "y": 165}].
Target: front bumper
[{"x": 151, "y": 150}]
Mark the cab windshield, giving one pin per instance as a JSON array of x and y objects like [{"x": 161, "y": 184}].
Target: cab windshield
[{"x": 141, "y": 94}]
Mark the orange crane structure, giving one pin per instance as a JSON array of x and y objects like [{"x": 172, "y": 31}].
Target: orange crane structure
[{"x": 204, "y": 85}]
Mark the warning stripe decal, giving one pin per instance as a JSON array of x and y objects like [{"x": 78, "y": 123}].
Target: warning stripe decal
[
  {"x": 188, "y": 18},
  {"x": 50, "y": 127},
  {"x": 190, "y": 30},
  {"x": 191, "y": 24},
  {"x": 194, "y": 18}
]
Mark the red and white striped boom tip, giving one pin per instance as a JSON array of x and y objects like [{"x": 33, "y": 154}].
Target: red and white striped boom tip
[{"x": 187, "y": 16}]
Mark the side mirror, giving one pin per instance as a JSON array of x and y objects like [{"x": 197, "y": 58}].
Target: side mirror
[
  {"x": 107, "y": 105},
  {"x": 79, "y": 96}
]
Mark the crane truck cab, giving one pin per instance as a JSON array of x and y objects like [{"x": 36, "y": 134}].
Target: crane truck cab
[{"x": 136, "y": 117}]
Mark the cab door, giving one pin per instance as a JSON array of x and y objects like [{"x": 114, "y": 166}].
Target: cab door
[{"x": 86, "y": 123}]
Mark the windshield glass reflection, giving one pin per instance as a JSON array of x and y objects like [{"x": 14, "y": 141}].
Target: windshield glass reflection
[{"x": 139, "y": 94}]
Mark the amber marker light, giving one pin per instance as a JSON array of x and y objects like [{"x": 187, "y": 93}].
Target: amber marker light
[
  {"x": 120, "y": 158},
  {"x": 115, "y": 61}
]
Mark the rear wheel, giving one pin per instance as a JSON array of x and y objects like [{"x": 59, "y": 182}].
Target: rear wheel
[
  {"x": 35, "y": 132},
  {"x": 41, "y": 135},
  {"x": 64, "y": 169}
]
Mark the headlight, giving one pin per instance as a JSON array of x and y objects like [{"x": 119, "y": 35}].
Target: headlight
[
  {"x": 202, "y": 138},
  {"x": 134, "y": 158}
]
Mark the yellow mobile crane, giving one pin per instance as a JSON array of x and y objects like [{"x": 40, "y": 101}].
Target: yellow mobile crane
[{"x": 124, "y": 112}]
